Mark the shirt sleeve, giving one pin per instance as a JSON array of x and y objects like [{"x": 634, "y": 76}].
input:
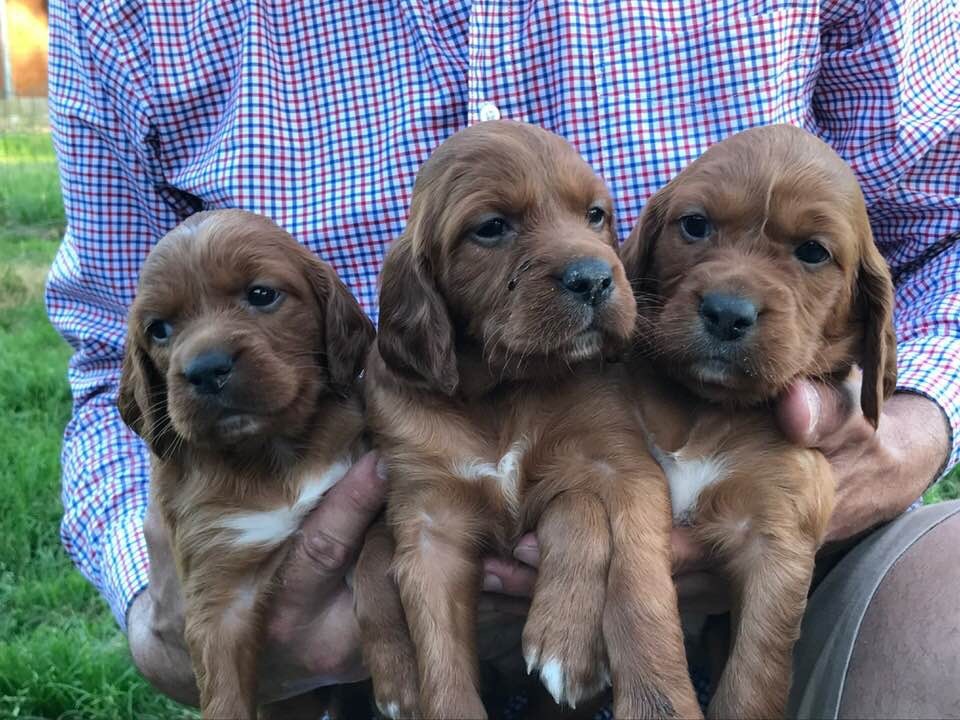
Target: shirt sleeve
[
  {"x": 115, "y": 212},
  {"x": 888, "y": 99}
]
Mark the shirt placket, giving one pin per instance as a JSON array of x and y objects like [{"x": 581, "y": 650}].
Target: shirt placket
[{"x": 494, "y": 30}]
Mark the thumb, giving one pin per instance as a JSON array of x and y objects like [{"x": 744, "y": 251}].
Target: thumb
[
  {"x": 812, "y": 413},
  {"x": 331, "y": 535}
]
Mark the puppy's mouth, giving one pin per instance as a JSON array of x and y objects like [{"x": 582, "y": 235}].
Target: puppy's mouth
[
  {"x": 715, "y": 371},
  {"x": 585, "y": 344},
  {"x": 723, "y": 368},
  {"x": 599, "y": 334},
  {"x": 222, "y": 420},
  {"x": 237, "y": 425},
  {"x": 220, "y": 425}
]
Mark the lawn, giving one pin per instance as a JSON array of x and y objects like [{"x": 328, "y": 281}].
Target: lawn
[{"x": 61, "y": 655}]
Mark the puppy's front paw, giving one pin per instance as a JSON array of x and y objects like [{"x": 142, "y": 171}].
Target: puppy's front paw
[
  {"x": 396, "y": 686},
  {"x": 567, "y": 650},
  {"x": 396, "y": 697}
]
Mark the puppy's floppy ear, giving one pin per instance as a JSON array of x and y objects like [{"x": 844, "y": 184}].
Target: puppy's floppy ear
[
  {"x": 142, "y": 399},
  {"x": 879, "y": 353},
  {"x": 346, "y": 330},
  {"x": 415, "y": 337},
  {"x": 637, "y": 251},
  {"x": 348, "y": 335}
]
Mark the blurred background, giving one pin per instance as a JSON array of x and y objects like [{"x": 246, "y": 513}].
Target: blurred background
[{"x": 61, "y": 655}]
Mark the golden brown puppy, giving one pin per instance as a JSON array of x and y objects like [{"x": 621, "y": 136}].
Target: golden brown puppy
[
  {"x": 243, "y": 352},
  {"x": 756, "y": 266},
  {"x": 496, "y": 413}
]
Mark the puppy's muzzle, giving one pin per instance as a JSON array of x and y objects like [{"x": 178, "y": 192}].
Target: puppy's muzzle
[
  {"x": 728, "y": 318},
  {"x": 209, "y": 372},
  {"x": 589, "y": 280}
]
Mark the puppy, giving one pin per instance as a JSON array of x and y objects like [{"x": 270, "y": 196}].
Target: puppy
[
  {"x": 754, "y": 267},
  {"x": 242, "y": 358},
  {"x": 495, "y": 413}
]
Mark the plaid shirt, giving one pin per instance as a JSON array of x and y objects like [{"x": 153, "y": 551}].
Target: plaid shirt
[{"x": 318, "y": 115}]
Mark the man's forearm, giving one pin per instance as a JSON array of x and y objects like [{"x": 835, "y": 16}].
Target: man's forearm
[{"x": 159, "y": 653}]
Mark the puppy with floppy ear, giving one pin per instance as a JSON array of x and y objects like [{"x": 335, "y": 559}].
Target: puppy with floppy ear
[
  {"x": 241, "y": 373},
  {"x": 495, "y": 411},
  {"x": 754, "y": 267}
]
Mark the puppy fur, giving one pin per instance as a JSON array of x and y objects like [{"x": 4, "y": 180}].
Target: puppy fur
[
  {"x": 496, "y": 412},
  {"x": 241, "y": 455},
  {"x": 757, "y": 200}
]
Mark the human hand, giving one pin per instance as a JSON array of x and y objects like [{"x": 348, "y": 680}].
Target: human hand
[
  {"x": 878, "y": 473},
  {"x": 698, "y": 590},
  {"x": 312, "y": 638}
]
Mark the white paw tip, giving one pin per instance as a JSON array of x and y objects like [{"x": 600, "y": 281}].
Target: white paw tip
[
  {"x": 390, "y": 710},
  {"x": 552, "y": 676},
  {"x": 531, "y": 656}
]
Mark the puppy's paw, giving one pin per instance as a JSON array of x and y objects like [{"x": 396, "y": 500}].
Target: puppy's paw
[
  {"x": 396, "y": 697},
  {"x": 396, "y": 686},
  {"x": 568, "y": 653}
]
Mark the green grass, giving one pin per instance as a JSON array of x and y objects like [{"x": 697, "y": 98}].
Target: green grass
[
  {"x": 947, "y": 489},
  {"x": 29, "y": 188},
  {"x": 61, "y": 655}
]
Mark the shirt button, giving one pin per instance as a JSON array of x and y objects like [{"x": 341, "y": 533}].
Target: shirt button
[{"x": 489, "y": 111}]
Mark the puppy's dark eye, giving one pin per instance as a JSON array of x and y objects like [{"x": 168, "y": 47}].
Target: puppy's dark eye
[
  {"x": 696, "y": 227},
  {"x": 493, "y": 228},
  {"x": 812, "y": 253},
  {"x": 596, "y": 216},
  {"x": 159, "y": 331},
  {"x": 492, "y": 231},
  {"x": 261, "y": 296}
]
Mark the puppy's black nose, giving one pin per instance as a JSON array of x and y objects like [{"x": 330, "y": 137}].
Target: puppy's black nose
[
  {"x": 590, "y": 279},
  {"x": 209, "y": 372},
  {"x": 727, "y": 317}
]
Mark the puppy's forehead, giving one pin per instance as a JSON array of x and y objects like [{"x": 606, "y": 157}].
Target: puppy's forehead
[
  {"x": 512, "y": 159},
  {"x": 781, "y": 171},
  {"x": 220, "y": 251}
]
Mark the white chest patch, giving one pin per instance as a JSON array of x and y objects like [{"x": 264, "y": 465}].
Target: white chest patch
[
  {"x": 688, "y": 478},
  {"x": 272, "y": 527},
  {"x": 506, "y": 472}
]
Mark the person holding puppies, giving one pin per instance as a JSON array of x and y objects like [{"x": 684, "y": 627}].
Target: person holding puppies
[{"x": 318, "y": 116}]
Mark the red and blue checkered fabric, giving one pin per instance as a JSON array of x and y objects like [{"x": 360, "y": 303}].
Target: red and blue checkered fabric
[{"x": 319, "y": 114}]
